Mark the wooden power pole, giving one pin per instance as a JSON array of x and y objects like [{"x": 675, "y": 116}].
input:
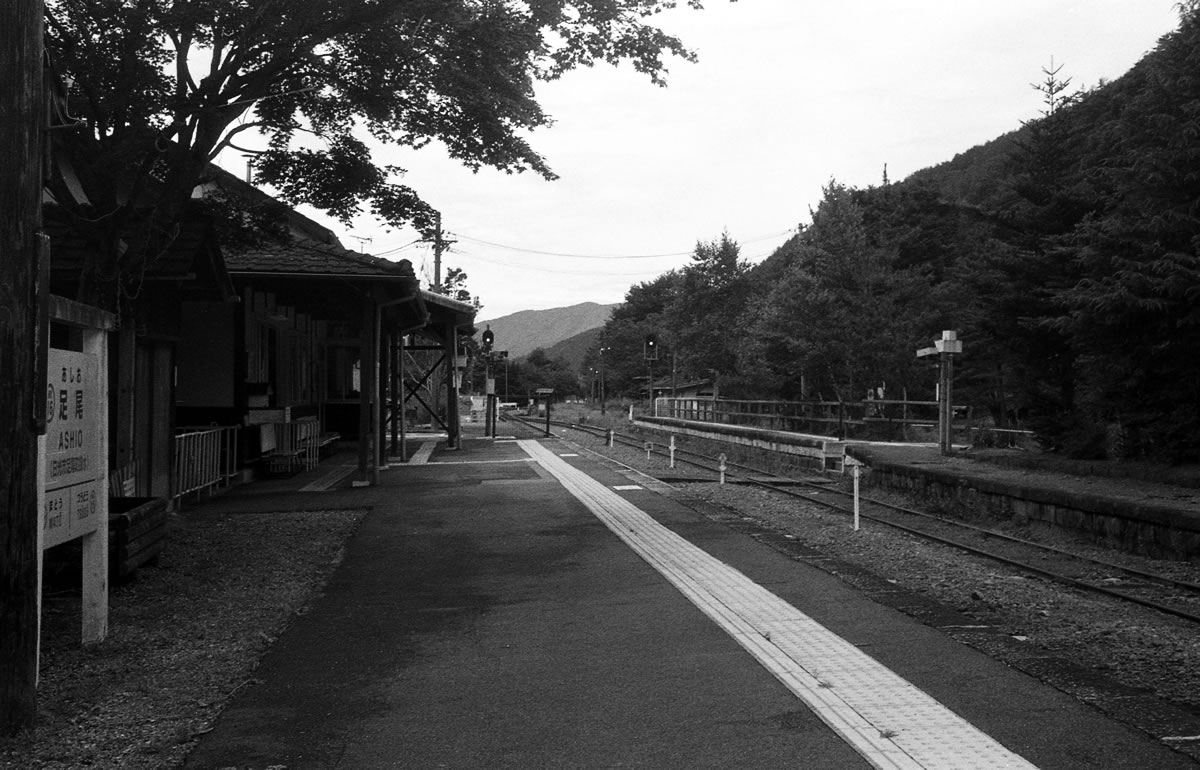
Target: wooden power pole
[
  {"x": 440, "y": 244},
  {"x": 22, "y": 126}
]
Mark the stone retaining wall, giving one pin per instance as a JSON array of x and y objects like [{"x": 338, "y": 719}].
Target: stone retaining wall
[
  {"x": 1157, "y": 530},
  {"x": 1149, "y": 529}
]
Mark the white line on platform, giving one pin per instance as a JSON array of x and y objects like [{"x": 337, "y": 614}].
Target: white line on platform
[
  {"x": 525, "y": 460},
  {"x": 329, "y": 480},
  {"x": 883, "y": 717},
  {"x": 421, "y": 456},
  {"x": 513, "y": 461}
]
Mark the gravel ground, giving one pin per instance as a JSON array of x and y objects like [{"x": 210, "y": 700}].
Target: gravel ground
[{"x": 183, "y": 638}]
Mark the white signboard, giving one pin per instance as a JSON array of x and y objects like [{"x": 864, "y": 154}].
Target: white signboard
[{"x": 74, "y": 466}]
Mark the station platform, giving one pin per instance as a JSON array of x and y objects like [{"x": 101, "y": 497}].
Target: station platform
[{"x": 520, "y": 604}]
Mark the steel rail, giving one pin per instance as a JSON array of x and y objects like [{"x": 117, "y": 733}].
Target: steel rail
[{"x": 1024, "y": 566}]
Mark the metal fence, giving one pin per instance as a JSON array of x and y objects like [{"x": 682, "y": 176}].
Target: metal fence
[
  {"x": 882, "y": 419},
  {"x": 205, "y": 459}
]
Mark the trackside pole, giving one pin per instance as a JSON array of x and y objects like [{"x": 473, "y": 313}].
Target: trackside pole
[
  {"x": 672, "y": 453},
  {"x": 610, "y": 436},
  {"x": 856, "y": 501},
  {"x": 855, "y": 471},
  {"x": 721, "y": 466}
]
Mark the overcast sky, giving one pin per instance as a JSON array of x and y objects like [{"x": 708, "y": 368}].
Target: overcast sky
[{"x": 787, "y": 95}]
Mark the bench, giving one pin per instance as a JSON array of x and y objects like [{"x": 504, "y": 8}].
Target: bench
[{"x": 291, "y": 447}]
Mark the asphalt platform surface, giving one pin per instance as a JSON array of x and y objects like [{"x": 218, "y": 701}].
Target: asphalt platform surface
[{"x": 484, "y": 618}]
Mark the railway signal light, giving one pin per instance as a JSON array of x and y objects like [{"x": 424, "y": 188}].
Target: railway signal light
[{"x": 651, "y": 347}]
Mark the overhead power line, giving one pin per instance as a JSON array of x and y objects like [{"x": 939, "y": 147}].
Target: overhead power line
[
  {"x": 571, "y": 256},
  {"x": 395, "y": 249},
  {"x": 606, "y": 256},
  {"x": 523, "y": 267}
]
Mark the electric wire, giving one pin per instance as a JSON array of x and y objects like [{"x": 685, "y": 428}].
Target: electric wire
[{"x": 567, "y": 255}]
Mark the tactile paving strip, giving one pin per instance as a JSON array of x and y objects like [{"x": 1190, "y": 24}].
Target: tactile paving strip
[{"x": 892, "y": 723}]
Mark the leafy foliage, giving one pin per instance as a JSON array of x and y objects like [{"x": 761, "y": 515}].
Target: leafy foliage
[
  {"x": 702, "y": 319},
  {"x": 842, "y": 318},
  {"x": 645, "y": 311},
  {"x": 163, "y": 86},
  {"x": 1066, "y": 254}
]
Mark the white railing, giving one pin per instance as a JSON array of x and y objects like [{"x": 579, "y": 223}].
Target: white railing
[
  {"x": 881, "y": 419},
  {"x": 205, "y": 458}
]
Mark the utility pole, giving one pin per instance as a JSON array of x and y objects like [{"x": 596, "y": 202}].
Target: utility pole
[
  {"x": 651, "y": 353},
  {"x": 22, "y": 99},
  {"x": 602, "y": 350},
  {"x": 440, "y": 245}
]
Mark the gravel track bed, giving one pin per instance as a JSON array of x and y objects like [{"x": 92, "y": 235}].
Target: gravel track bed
[{"x": 1124, "y": 659}]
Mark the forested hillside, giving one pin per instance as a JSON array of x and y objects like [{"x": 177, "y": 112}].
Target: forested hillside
[
  {"x": 1066, "y": 254},
  {"x": 522, "y": 333}
]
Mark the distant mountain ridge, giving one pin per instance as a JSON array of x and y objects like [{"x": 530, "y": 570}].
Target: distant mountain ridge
[
  {"x": 574, "y": 349},
  {"x": 523, "y": 332}
]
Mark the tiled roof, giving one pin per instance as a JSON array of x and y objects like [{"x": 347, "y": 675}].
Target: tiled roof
[
  {"x": 190, "y": 252},
  {"x": 307, "y": 257},
  {"x": 446, "y": 302},
  {"x": 462, "y": 314}
]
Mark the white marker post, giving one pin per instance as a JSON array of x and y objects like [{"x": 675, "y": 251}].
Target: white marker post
[
  {"x": 649, "y": 449},
  {"x": 856, "y": 472},
  {"x": 672, "y": 453},
  {"x": 610, "y": 436},
  {"x": 721, "y": 467}
]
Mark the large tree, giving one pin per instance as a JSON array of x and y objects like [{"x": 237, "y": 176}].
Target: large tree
[
  {"x": 645, "y": 311},
  {"x": 162, "y": 86},
  {"x": 1133, "y": 315},
  {"x": 703, "y": 315},
  {"x": 841, "y": 318}
]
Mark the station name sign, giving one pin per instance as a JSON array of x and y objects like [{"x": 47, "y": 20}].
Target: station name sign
[{"x": 73, "y": 464}]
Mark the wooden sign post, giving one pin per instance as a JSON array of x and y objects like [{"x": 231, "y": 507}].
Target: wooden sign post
[
  {"x": 73, "y": 494},
  {"x": 545, "y": 396},
  {"x": 945, "y": 349}
]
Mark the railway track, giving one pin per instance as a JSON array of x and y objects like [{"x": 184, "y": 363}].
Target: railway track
[{"x": 1162, "y": 592}]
